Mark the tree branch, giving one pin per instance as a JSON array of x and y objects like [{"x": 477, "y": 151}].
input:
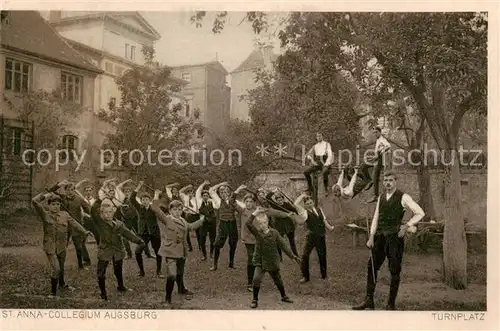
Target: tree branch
[{"x": 462, "y": 109}]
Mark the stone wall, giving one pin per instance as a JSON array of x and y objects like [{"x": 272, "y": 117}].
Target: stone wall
[{"x": 474, "y": 188}]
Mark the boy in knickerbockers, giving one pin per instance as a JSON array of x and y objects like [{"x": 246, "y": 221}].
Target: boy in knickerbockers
[{"x": 56, "y": 224}]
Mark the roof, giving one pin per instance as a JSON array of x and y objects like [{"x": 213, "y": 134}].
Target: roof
[
  {"x": 27, "y": 32},
  {"x": 114, "y": 16},
  {"x": 86, "y": 48},
  {"x": 213, "y": 64},
  {"x": 254, "y": 61}
]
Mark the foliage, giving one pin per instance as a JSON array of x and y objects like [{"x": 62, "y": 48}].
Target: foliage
[{"x": 256, "y": 18}]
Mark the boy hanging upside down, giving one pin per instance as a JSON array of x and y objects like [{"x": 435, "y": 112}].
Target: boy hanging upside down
[
  {"x": 266, "y": 257},
  {"x": 56, "y": 224},
  {"x": 174, "y": 231},
  {"x": 357, "y": 184}
]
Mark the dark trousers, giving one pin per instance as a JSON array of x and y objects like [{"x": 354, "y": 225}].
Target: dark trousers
[
  {"x": 377, "y": 169},
  {"x": 89, "y": 225},
  {"x": 291, "y": 239},
  {"x": 227, "y": 229},
  {"x": 314, "y": 168},
  {"x": 318, "y": 242},
  {"x": 257, "y": 279},
  {"x": 250, "y": 267},
  {"x": 128, "y": 248},
  {"x": 156, "y": 243},
  {"x": 390, "y": 247},
  {"x": 82, "y": 254},
  {"x": 208, "y": 229},
  {"x": 175, "y": 274},
  {"x": 101, "y": 274}
]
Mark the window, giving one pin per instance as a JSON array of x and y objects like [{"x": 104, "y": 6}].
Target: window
[
  {"x": 68, "y": 144},
  {"x": 109, "y": 67},
  {"x": 129, "y": 52},
  {"x": 189, "y": 106},
  {"x": 186, "y": 76},
  {"x": 71, "y": 87},
  {"x": 132, "y": 52},
  {"x": 14, "y": 137},
  {"x": 112, "y": 103},
  {"x": 17, "y": 75}
]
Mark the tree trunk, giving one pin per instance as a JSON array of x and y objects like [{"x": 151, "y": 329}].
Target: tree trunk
[
  {"x": 454, "y": 239},
  {"x": 425, "y": 194}
]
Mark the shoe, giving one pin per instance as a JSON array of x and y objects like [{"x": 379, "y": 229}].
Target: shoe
[
  {"x": 150, "y": 256},
  {"x": 367, "y": 304},
  {"x": 52, "y": 296},
  {"x": 250, "y": 288},
  {"x": 303, "y": 281},
  {"x": 286, "y": 299},
  {"x": 231, "y": 265},
  {"x": 214, "y": 268},
  {"x": 141, "y": 274},
  {"x": 67, "y": 287},
  {"x": 254, "y": 304},
  {"x": 368, "y": 186},
  {"x": 204, "y": 258},
  {"x": 87, "y": 264},
  {"x": 124, "y": 289},
  {"x": 83, "y": 268},
  {"x": 374, "y": 199},
  {"x": 104, "y": 297},
  {"x": 186, "y": 292},
  {"x": 159, "y": 275}
]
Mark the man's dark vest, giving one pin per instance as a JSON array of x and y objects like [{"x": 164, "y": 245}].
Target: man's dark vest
[
  {"x": 315, "y": 224},
  {"x": 226, "y": 211},
  {"x": 207, "y": 209},
  {"x": 390, "y": 213}
]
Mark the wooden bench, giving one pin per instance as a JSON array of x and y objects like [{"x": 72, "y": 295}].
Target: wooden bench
[{"x": 356, "y": 232}]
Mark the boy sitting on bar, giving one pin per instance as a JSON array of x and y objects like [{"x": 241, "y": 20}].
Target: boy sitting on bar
[{"x": 266, "y": 256}]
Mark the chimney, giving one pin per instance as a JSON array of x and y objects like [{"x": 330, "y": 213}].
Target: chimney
[
  {"x": 55, "y": 15},
  {"x": 267, "y": 51}
]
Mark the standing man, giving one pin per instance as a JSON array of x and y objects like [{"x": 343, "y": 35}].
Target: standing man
[
  {"x": 148, "y": 229},
  {"x": 321, "y": 157},
  {"x": 209, "y": 228},
  {"x": 387, "y": 238},
  {"x": 316, "y": 224},
  {"x": 382, "y": 146}
]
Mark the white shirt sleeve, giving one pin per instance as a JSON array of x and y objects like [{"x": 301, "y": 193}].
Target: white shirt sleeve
[
  {"x": 418, "y": 213},
  {"x": 215, "y": 198},
  {"x": 329, "y": 153}
]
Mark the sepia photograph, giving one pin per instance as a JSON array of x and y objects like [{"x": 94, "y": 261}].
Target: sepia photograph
[{"x": 243, "y": 160}]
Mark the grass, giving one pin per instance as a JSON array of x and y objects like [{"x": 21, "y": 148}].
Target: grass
[{"x": 24, "y": 279}]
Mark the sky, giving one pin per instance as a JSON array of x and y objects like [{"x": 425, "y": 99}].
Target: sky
[{"x": 183, "y": 43}]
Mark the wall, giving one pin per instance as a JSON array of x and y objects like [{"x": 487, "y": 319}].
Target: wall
[
  {"x": 196, "y": 87},
  {"x": 88, "y": 32},
  {"x": 218, "y": 101},
  {"x": 241, "y": 83},
  {"x": 474, "y": 196}
]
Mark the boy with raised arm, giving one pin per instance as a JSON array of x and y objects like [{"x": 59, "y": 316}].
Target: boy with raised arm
[
  {"x": 111, "y": 232},
  {"x": 357, "y": 184},
  {"x": 75, "y": 205},
  {"x": 266, "y": 256},
  {"x": 285, "y": 225},
  {"x": 89, "y": 196},
  {"x": 315, "y": 239},
  {"x": 126, "y": 212},
  {"x": 56, "y": 224},
  {"x": 148, "y": 229},
  {"x": 172, "y": 191},
  {"x": 174, "y": 231},
  {"x": 246, "y": 208},
  {"x": 209, "y": 228},
  {"x": 225, "y": 206},
  {"x": 386, "y": 238}
]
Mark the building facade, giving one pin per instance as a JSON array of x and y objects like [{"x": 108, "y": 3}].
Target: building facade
[
  {"x": 208, "y": 97},
  {"x": 243, "y": 80},
  {"x": 34, "y": 57}
]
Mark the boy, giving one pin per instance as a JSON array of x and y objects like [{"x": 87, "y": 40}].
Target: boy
[
  {"x": 382, "y": 150},
  {"x": 75, "y": 205},
  {"x": 110, "y": 246},
  {"x": 126, "y": 212},
  {"x": 209, "y": 228},
  {"x": 321, "y": 157},
  {"x": 148, "y": 229},
  {"x": 266, "y": 257},
  {"x": 225, "y": 206},
  {"x": 285, "y": 225},
  {"x": 357, "y": 183},
  {"x": 190, "y": 215},
  {"x": 174, "y": 231},
  {"x": 316, "y": 223},
  {"x": 56, "y": 224},
  {"x": 246, "y": 208}
]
